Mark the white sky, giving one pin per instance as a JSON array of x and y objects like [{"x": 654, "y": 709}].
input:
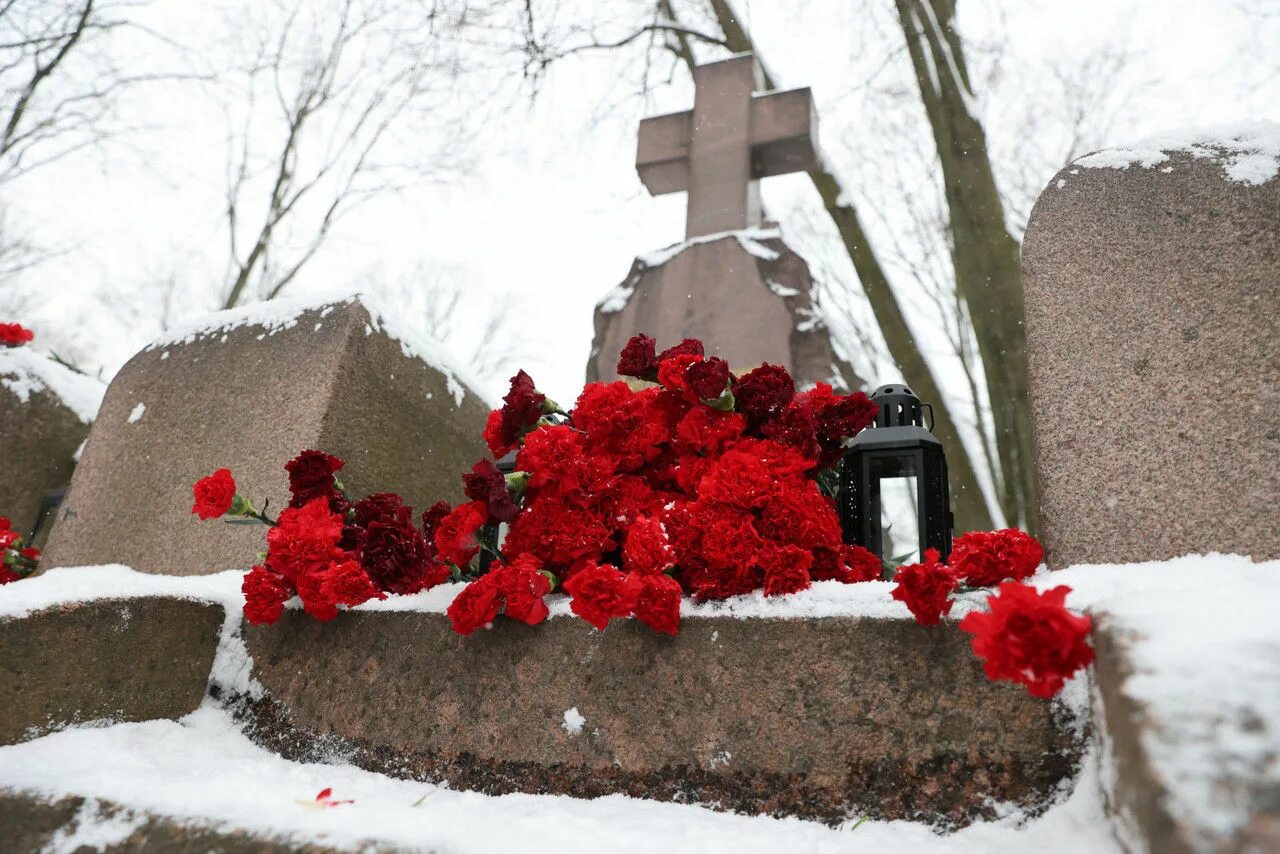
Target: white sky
[{"x": 551, "y": 214}]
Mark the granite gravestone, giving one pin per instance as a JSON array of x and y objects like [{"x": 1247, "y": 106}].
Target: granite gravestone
[
  {"x": 248, "y": 390},
  {"x": 1152, "y": 283},
  {"x": 733, "y": 283}
]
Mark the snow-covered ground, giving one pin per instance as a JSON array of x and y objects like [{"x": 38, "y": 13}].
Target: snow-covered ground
[{"x": 1204, "y": 646}]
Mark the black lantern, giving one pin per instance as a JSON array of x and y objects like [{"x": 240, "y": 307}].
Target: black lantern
[{"x": 897, "y": 445}]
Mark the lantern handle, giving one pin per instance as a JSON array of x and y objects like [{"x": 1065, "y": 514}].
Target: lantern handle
[{"x": 929, "y": 406}]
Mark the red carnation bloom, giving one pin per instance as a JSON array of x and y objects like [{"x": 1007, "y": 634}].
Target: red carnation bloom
[
  {"x": 657, "y": 600},
  {"x": 495, "y": 435},
  {"x": 983, "y": 558},
  {"x": 646, "y": 549},
  {"x": 7, "y": 575},
  {"x": 305, "y": 540},
  {"x": 837, "y": 418},
  {"x": 709, "y": 378},
  {"x": 521, "y": 409},
  {"x": 15, "y": 334},
  {"x": 30, "y": 553},
  {"x": 484, "y": 483},
  {"x": 704, "y": 430},
  {"x": 798, "y": 514},
  {"x": 599, "y": 593},
  {"x": 687, "y": 347},
  {"x": 762, "y": 393},
  {"x": 859, "y": 564},
  {"x": 265, "y": 593},
  {"x": 728, "y": 541},
  {"x": 738, "y": 479},
  {"x": 348, "y": 584},
  {"x": 786, "y": 569},
  {"x": 476, "y": 606},
  {"x": 560, "y": 532},
  {"x": 1030, "y": 637},
  {"x": 926, "y": 588},
  {"x": 8, "y": 536},
  {"x": 638, "y": 359},
  {"x": 672, "y": 374},
  {"x": 214, "y": 494},
  {"x": 380, "y": 506},
  {"x": 431, "y": 519},
  {"x": 311, "y": 475},
  {"x": 396, "y": 555},
  {"x": 455, "y": 537},
  {"x": 523, "y": 585},
  {"x": 795, "y": 428}
]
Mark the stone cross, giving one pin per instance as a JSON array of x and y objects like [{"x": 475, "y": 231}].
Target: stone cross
[{"x": 732, "y": 137}]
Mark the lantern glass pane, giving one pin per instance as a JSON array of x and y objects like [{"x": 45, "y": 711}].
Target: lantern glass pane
[{"x": 899, "y": 510}]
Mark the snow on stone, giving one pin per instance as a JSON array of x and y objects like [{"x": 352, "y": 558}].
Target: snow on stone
[
  {"x": 279, "y": 314},
  {"x": 69, "y": 584},
  {"x": 1249, "y": 152},
  {"x": 749, "y": 238},
  {"x": 136, "y": 415},
  {"x": 24, "y": 371},
  {"x": 573, "y": 721},
  {"x": 203, "y": 770},
  {"x": 1205, "y": 646},
  {"x": 616, "y": 300},
  {"x": 781, "y": 290}
]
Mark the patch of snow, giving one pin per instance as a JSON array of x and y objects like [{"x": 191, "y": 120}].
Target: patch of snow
[
  {"x": 164, "y": 355},
  {"x": 1249, "y": 152},
  {"x": 138, "y": 411},
  {"x": 93, "y": 828},
  {"x": 79, "y": 450},
  {"x": 67, "y": 584},
  {"x": 781, "y": 290},
  {"x": 616, "y": 300},
  {"x": 1205, "y": 648},
  {"x": 203, "y": 770},
  {"x": 281, "y": 314},
  {"x": 749, "y": 238},
  {"x": 1062, "y": 182},
  {"x": 24, "y": 371},
  {"x": 573, "y": 721}
]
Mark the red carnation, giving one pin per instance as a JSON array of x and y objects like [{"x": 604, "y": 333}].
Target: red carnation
[
  {"x": 657, "y": 600},
  {"x": 8, "y": 536},
  {"x": 795, "y": 428},
  {"x": 7, "y": 575},
  {"x": 925, "y": 588},
  {"x": 305, "y": 540},
  {"x": 396, "y": 556},
  {"x": 646, "y": 549},
  {"x": 476, "y": 606},
  {"x": 786, "y": 569},
  {"x": 311, "y": 475},
  {"x": 799, "y": 514},
  {"x": 638, "y": 359},
  {"x": 431, "y": 519},
  {"x": 599, "y": 593},
  {"x": 705, "y": 430},
  {"x": 455, "y": 537},
  {"x": 983, "y": 558},
  {"x": 523, "y": 585},
  {"x": 837, "y": 418},
  {"x": 687, "y": 347},
  {"x": 214, "y": 494},
  {"x": 348, "y": 584},
  {"x": 762, "y": 393},
  {"x": 15, "y": 334},
  {"x": 265, "y": 593},
  {"x": 484, "y": 483},
  {"x": 672, "y": 374},
  {"x": 495, "y": 435},
  {"x": 1030, "y": 637},
  {"x": 739, "y": 479},
  {"x": 521, "y": 409},
  {"x": 377, "y": 507},
  {"x": 709, "y": 378}
]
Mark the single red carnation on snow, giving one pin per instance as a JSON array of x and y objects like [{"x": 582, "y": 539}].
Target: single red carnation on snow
[
  {"x": 484, "y": 483},
  {"x": 214, "y": 494},
  {"x": 639, "y": 359},
  {"x": 847, "y": 563},
  {"x": 311, "y": 475},
  {"x": 657, "y": 600},
  {"x": 599, "y": 593},
  {"x": 265, "y": 593},
  {"x": 926, "y": 588},
  {"x": 1030, "y": 637},
  {"x": 709, "y": 378},
  {"x": 476, "y": 606},
  {"x": 14, "y": 334},
  {"x": 983, "y": 558},
  {"x": 455, "y": 536},
  {"x": 786, "y": 569},
  {"x": 762, "y": 393}
]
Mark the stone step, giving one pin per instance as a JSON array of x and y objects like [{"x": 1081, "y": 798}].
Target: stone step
[
  {"x": 116, "y": 659},
  {"x": 823, "y": 718}
]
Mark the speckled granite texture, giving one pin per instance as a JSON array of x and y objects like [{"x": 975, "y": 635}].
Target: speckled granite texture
[{"x": 1153, "y": 333}]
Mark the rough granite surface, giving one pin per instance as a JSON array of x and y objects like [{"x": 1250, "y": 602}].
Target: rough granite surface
[
  {"x": 250, "y": 401},
  {"x": 746, "y": 308},
  {"x": 824, "y": 719},
  {"x": 120, "y": 660},
  {"x": 1153, "y": 334}
]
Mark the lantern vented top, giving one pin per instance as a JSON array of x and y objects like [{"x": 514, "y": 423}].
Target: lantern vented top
[{"x": 899, "y": 406}]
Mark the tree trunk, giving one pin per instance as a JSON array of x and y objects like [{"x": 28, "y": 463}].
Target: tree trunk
[
  {"x": 985, "y": 256},
  {"x": 970, "y": 505}
]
